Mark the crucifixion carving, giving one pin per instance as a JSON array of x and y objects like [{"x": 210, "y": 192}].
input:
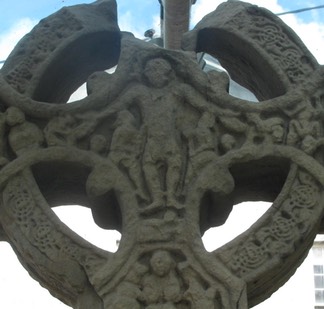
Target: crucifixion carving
[{"x": 160, "y": 151}]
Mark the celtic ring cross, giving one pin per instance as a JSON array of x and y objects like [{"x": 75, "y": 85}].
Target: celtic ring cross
[{"x": 160, "y": 151}]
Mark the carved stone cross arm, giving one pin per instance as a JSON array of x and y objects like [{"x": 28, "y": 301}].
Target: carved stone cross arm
[
  {"x": 263, "y": 54},
  {"x": 161, "y": 152}
]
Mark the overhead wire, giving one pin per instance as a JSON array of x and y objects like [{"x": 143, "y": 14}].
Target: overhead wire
[{"x": 301, "y": 10}]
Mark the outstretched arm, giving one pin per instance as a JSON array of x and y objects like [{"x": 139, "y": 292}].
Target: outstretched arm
[
  {"x": 195, "y": 98},
  {"x": 133, "y": 95},
  {"x": 202, "y": 102}
]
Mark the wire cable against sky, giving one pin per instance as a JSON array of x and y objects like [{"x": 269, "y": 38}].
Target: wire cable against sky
[{"x": 301, "y": 10}]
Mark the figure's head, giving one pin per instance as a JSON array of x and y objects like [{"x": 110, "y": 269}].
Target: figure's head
[
  {"x": 124, "y": 117},
  {"x": 157, "y": 72},
  {"x": 14, "y": 116},
  {"x": 161, "y": 263},
  {"x": 278, "y": 133},
  {"x": 227, "y": 142}
]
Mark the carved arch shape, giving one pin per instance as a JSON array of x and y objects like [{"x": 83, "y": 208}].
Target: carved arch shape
[
  {"x": 63, "y": 50},
  {"x": 40, "y": 239},
  {"x": 257, "y": 49},
  {"x": 264, "y": 55}
]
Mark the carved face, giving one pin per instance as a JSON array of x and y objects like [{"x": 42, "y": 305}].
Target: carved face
[
  {"x": 277, "y": 133},
  {"x": 14, "y": 116},
  {"x": 161, "y": 263},
  {"x": 227, "y": 142},
  {"x": 157, "y": 71}
]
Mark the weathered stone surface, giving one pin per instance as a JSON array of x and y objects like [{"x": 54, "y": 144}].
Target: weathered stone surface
[
  {"x": 261, "y": 52},
  {"x": 160, "y": 151},
  {"x": 48, "y": 64}
]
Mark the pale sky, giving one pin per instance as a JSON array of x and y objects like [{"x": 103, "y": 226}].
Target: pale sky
[{"x": 18, "y": 17}]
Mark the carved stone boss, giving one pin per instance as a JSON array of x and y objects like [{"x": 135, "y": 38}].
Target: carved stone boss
[{"x": 160, "y": 151}]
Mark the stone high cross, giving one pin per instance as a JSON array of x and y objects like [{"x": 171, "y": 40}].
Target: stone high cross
[{"x": 160, "y": 151}]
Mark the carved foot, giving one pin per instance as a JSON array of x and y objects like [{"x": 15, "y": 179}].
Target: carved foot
[
  {"x": 153, "y": 207},
  {"x": 142, "y": 195},
  {"x": 173, "y": 203}
]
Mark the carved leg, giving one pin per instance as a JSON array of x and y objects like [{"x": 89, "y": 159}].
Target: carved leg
[
  {"x": 153, "y": 182},
  {"x": 172, "y": 182},
  {"x": 135, "y": 175}
]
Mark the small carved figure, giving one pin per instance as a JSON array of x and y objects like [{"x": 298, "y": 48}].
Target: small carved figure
[
  {"x": 304, "y": 129},
  {"x": 126, "y": 148},
  {"x": 23, "y": 136},
  {"x": 126, "y": 296},
  {"x": 66, "y": 129},
  {"x": 234, "y": 125},
  {"x": 277, "y": 130},
  {"x": 128, "y": 292},
  {"x": 58, "y": 130},
  {"x": 98, "y": 144},
  {"x": 266, "y": 131},
  {"x": 161, "y": 287},
  {"x": 203, "y": 155},
  {"x": 227, "y": 142},
  {"x": 201, "y": 139},
  {"x": 196, "y": 294}
]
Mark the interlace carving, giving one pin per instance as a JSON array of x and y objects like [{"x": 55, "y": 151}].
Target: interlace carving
[{"x": 160, "y": 151}]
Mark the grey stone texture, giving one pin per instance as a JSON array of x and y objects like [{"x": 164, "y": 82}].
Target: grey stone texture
[{"x": 161, "y": 152}]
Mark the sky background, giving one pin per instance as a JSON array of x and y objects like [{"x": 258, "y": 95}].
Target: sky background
[{"x": 18, "y": 17}]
